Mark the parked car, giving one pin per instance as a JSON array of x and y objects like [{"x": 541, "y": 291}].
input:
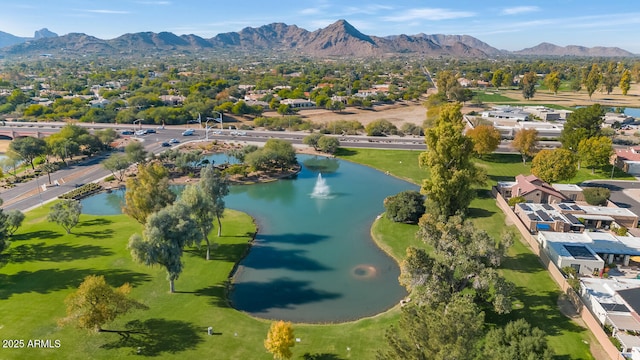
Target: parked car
[
  {"x": 127, "y": 132},
  {"x": 151, "y": 131},
  {"x": 140, "y": 132},
  {"x": 188, "y": 132}
]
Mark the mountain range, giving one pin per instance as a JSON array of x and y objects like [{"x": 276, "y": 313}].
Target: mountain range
[{"x": 339, "y": 39}]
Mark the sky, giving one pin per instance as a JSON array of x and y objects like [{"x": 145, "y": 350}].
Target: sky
[{"x": 510, "y": 25}]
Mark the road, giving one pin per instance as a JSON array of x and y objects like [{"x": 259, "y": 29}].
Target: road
[
  {"x": 28, "y": 195},
  {"x": 618, "y": 195}
]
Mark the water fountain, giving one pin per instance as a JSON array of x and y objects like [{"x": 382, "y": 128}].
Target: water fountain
[{"x": 321, "y": 189}]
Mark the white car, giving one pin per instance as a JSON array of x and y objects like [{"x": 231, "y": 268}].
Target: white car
[
  {"x": 188, "y": 132},
  {"x": 174, "y": 141}
]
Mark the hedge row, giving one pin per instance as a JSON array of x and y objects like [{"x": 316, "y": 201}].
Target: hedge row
[{"x": 82, "y": 192}]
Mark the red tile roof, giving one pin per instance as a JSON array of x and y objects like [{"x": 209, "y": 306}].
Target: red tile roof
[{"x": 530, "y": 183}]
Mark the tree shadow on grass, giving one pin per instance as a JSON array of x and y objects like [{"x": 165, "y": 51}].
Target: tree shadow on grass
[
  {"x": 503, "y": 158},
  {"x": 98, "y": 234},
  {"x": 345, "y": 152},
  {"x": 36, "y": 235},
  {"x": 224, "y": 252},
  {"x": 539, "y": 310},
  {"x": 159, "y": 336},
  {"x": 321, "y": 356},
  {"x": 216, "y": 294},
  {"x": 476, "y": 213},
  {"x": 55, "y": 252},
  {"x": 49, "y": 280},
  {"x": 95, "y": 222},
  {"x": 527, "y": 263}
]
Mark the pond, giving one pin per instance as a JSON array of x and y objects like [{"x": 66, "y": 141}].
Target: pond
[{"x": 313, "y": 259}]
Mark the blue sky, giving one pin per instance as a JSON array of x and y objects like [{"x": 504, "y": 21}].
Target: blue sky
[{"x": 510, "y": 25}]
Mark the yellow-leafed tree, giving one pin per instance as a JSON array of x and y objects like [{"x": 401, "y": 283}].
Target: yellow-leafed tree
[
  {"x": 280, "y": 340},
  {"x": 95, "y": 303}
]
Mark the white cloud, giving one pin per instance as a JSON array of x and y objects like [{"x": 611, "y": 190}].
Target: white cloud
[
  {"x": 310, "y": 11},
  {"x": 154, "y": 2},
  {"x": 367, "y": 9},
  {"x": 104, "y": 11},
  {"x": 429, "y": 14},
  {"x": 519, "y": 10}
]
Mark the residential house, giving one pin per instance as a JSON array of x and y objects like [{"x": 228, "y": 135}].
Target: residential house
[
  {"x": 628, "y": 160},
  {"x": 532, "y": 189}
]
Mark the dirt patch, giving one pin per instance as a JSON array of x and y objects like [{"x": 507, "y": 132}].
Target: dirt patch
[
  {"x": 399, "y": 113},
  {"x": 571, "y": 99}
]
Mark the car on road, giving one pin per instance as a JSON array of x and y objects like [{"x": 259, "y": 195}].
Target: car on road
[
  {"x": 174, "y": 141},
  {"x": 165, "y": 144},
  {"x": 188, "y": 132}
]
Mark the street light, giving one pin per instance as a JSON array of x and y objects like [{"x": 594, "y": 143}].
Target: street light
[
  {"x": 206, "y": 129},
  {"x": 139, "y": 121},
  {"x": 219, "y": 119}
]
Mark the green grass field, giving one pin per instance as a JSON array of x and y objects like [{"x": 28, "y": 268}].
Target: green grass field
[
  {"x": 44, "y": 265},
  {"x": 492, "y": 97}
]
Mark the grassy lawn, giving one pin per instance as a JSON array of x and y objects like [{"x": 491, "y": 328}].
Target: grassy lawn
[
  {"x": 44, "y": 265},
  {"x": 492, "y": 97}
]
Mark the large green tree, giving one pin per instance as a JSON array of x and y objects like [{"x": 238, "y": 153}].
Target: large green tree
[
  {"x": 593, "y": 79},
  {"x": 276, "y": 154},
  {"x": 28, "y": 148},
  {"x": 449, "y": 189},
  {"x": 65, "y": 213},
  {"x": 463, "y": 260},
  {"x": 583, "y": 123},
  {"x": 117, "y": 164},
  {"x": 528, "y": 84},
  {"x": 215, "y": 187},
  {"x": 201, "y": 212},
  {"x": 135, "y": 152},
  {"x": 516, "y": 341},
  {"x": 148, "y": 191},
  {"x": 595, "y": 152},
  {"x": 163, "y": 240},
  {"x": 554, "y": 165},
  {"x": 406, "y": 207},
  {"x": 446, "y": 331}
]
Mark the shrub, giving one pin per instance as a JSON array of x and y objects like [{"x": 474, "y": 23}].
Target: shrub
[
  {"x": 82, "y": 191},
  {"x": 405, "y": 207},
  {"x": 621, "y": 231},
  {"x": 516, "y": 200},
  {"x": 596, "y": 195}
]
